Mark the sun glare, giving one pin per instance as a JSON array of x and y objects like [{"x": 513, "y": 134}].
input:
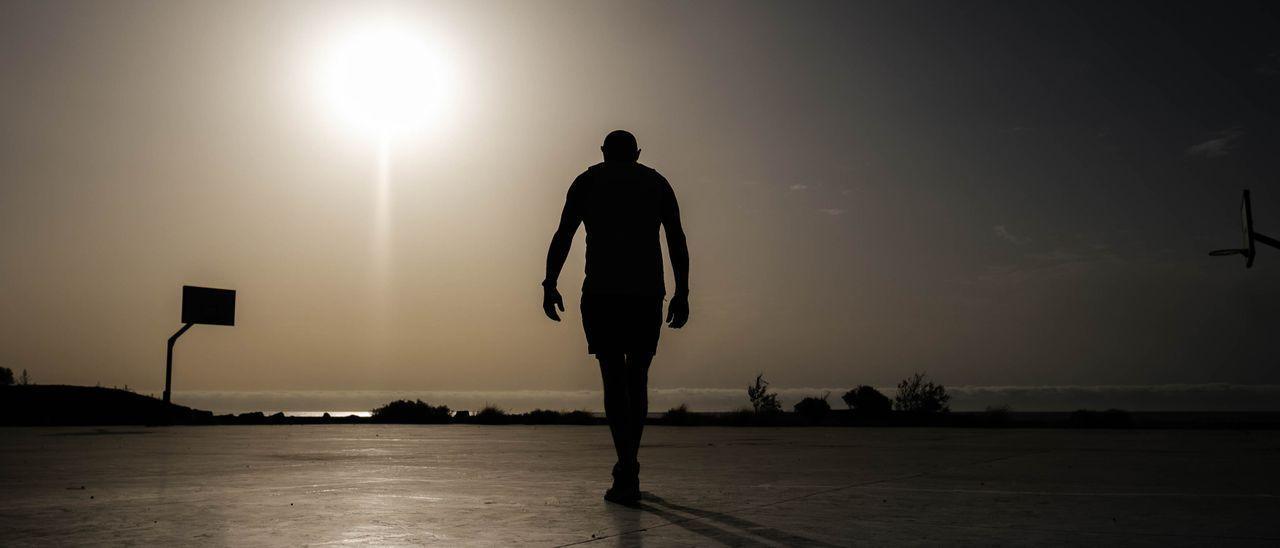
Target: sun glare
[{"x": 386, "y": 82}]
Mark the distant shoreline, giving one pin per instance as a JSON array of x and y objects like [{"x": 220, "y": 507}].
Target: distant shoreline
[
  {"x": 1134, "y": 398},
  {"x": 63, "y": 405}
]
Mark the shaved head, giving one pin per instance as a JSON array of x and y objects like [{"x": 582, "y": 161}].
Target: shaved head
[{"x": 620, "y": 146}]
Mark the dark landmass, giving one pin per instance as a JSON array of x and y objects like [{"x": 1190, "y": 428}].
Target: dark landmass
[{"x": 63, "y": 405}]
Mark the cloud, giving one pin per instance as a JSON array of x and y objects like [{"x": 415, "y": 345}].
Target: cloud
[
  {"x": 832, "y": 211},
  {"x": 799, "y": 187},
  {"x": 1222, "y": 143},
  {"x": 1010, "y": 237}
]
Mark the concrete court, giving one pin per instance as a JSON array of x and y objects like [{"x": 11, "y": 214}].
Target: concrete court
[{"x": 541, "y": 486}]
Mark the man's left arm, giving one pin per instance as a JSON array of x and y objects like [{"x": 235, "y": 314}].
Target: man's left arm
[{"x": 678, "y": 310}]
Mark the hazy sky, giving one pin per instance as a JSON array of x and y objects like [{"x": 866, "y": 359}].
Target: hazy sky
[{"x": 996, "y": 193}]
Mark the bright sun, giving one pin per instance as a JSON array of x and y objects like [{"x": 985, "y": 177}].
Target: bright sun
[{"x": 386, "y": 82}]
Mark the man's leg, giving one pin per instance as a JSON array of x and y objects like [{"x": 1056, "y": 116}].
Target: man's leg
[
  {"x": 617, "y": 408},
  {"x": 637, "y": 379}
]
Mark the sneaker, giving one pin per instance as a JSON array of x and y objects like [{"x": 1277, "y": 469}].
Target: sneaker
[
  {"x": 625, "y": 495},
  {"x": 626, "y": 485}
]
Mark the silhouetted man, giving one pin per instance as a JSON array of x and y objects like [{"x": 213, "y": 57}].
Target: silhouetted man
[{"x": 622, "y": 203}]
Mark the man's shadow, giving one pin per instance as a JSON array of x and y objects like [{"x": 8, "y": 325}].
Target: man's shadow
[{"x": 712, "y": 525}]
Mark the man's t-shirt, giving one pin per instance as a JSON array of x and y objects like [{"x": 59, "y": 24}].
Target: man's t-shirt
[{"x": 622, "y": 204}]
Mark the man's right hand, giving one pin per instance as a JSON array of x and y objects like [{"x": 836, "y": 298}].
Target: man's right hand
[
  {"x": 550, "y": 300},
  {"x": 678, "y": 310}
]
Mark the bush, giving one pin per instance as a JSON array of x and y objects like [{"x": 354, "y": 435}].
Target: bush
[
  {"x": 542, "y": 416},
  {"x": 813, "y": 409},
  {"x": 6, "y": 376},
  {"x": 997, "y": 415},
  {"x": 578, "y": 416},
  {"x": 920, "y": 397},
  {"x": 679, "y": 416},
  {"x": 1111, "y": 418},
  {"x": 763, "y": 401},
  {"x": 491, "y": 415},
  {"x": 411, "y": 412},
  {"x": 741, "y": 417},
  {"x": 866, "y": 401}
]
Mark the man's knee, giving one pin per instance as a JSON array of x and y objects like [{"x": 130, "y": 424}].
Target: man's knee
[
  {"x": 637, "y": 362},
  {"x": 613, "y": 372},
  {"x": 638, "y": 368}
]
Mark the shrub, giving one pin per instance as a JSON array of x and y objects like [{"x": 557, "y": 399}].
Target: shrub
[
  {"x": 866, "y": 401},
  {"x": 917, "y": 396},
  {"x": 997, "y": 415},
  {"x": 813, "y": 409},
  {"x": 6, "y": 376},
  {"x": 578, "y": 416},
  {"x": 679, "y": 416},
  {"x": 742, "y": 417},
  {"x": 491, "y": 414},
  {"x": 1111, "y": 418},
  {"x": 1116, "y": 418},
  {"x": 411, "y": 412},
  {"x": 763, "y": 401},
  {"x": 542, "y": 416},
  {"x": 545, "y": 416}
]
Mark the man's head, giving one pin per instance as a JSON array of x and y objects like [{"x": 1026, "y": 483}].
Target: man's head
[{"x": 620, "y": 146}]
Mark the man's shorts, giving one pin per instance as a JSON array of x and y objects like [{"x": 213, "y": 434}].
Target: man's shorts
[{"x": 626, "y": 324}]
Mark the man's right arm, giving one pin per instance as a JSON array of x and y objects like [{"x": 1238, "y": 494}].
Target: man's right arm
[{"x": 558, "y": 252}]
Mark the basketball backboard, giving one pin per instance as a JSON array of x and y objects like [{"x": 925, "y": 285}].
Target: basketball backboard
[
  {"x": 206, "y": 305},
  {"x": 1251, "y": 237}
]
